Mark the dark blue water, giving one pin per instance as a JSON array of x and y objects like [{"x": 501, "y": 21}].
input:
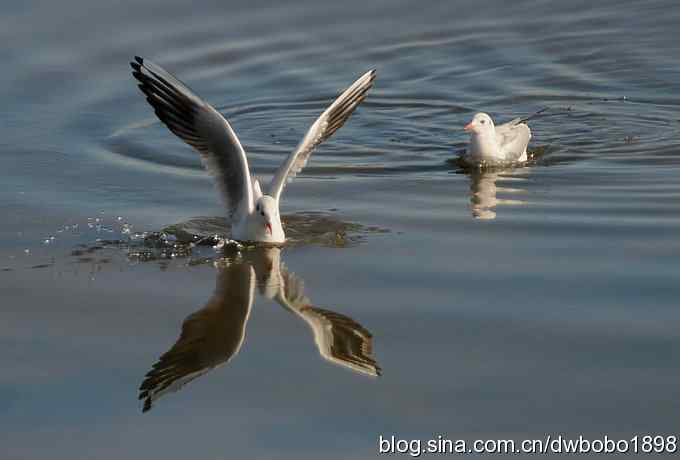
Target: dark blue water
[{"x": 513, "y": 303}]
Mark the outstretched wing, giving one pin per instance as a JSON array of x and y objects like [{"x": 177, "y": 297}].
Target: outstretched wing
[
  {"x": 210, "y": 337},
  {"x": 513, "y": 138},
  {"x": 323, "y": 128},
  {"x": 339, "y": 339},
  {"x": 198, "y": 124}
]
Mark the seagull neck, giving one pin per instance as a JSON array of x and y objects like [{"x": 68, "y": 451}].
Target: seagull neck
[{"x": 485, "y": 144}]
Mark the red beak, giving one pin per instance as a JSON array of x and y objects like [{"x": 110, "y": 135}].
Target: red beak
[
  {"x": 268, "y": 226},
  {"x": 468, "y": 127}
]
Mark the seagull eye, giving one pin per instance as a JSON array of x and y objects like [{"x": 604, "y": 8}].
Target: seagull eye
[
  {"x": 262, "y": 212},
  {"x": 482, "y": 121}
]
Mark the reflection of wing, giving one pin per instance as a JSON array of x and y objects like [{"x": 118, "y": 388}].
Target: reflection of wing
[
  {"x": 323, "y": 128},
  {"x": 513, "y": 138},
  {"x": 339, "y": 339},
  {"x": 210, "y": 336},
  {"x": 198, "y": 124},
  {"x": 342, "y": 340}
]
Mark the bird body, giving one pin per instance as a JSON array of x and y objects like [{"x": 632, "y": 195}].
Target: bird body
[{"x": 254, "y": 215}]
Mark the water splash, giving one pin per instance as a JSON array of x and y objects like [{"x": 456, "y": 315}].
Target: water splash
[{"x": 203, "y": 240}]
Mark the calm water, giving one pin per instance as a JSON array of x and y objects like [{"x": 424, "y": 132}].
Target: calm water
[{"x": 511, "y": 303}]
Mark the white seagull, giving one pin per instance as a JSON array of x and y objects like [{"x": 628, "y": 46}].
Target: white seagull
[
  {"x": 502, "y": 144},
  {"x": 254, "y": 215}
]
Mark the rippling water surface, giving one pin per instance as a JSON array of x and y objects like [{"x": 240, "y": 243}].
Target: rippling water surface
[{"x": 508, "y": 303}]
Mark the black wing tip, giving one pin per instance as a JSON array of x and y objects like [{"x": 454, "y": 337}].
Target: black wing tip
[
  {"x": 373, "y": 73},
  {"x": 147, "y": 405},
  {"x": 137, "y": 64}
]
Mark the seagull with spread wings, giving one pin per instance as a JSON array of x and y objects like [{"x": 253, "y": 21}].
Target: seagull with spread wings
[{"x": 254, "y": 215}]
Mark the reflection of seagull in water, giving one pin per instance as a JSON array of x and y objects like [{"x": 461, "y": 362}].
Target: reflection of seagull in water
[
  {"x": 214, "y": 334},
  {"x": 254, "y": 214},
  {"x": 483, "y": 195},
  {"x": 484, "y": 190}
]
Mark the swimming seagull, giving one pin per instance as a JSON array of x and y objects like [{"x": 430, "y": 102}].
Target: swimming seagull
[
  {"x": 506, "y": 143},
  {"x": 254, "y": 215}
]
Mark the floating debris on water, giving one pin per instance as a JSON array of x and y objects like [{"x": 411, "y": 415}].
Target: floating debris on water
[{"x": 41, "y": 266}]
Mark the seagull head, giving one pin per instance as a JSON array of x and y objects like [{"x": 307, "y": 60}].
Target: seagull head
[
  {"x": 481, "y": 123},
  {"x": 267, "y": 211}
]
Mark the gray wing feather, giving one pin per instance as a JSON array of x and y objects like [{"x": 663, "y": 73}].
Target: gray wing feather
[
  {"x": 513, "y": 139},
  {"x": 198, "y": 124},
  {"x": 509, "y": 125},
  {"x": 323, "y": 128}
]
